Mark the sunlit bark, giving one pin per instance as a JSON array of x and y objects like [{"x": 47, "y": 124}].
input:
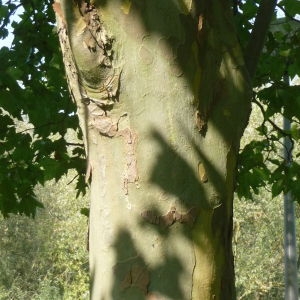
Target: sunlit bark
[{"x": 163, "y": 100}]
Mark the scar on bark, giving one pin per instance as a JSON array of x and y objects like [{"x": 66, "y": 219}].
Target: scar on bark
[{"x": 171, "y": 217}]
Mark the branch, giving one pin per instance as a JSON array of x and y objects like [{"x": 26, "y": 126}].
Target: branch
[
  {"x": 75, "y": 144},
  {"x": 258, "y": 34},
  {"x": 276, "y": 127},
  {"x": 287, "y": 14},
  {"x": 43, "y": 125},
  {"x": 72, "y": 179},
  {"x": 280, "y": 130},
  {"x": 7, "y": 18}
]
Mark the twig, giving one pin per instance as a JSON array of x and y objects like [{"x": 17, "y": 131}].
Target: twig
[
  {"x": 276, "y": 127},
  {"x": 284, "y": 133},
  {"x": 7, "y": 18},
  {"x": 75, "y": 144},
  {"x": 72, "y": 179}
]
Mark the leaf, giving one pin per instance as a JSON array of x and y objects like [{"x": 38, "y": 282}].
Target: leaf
[
  {"x": 292, "y": 7},
  {"x": 81, "y": 186},
  {"x": 53, "y": 169},
  {"x": 85, "y": 211},
  {"x": 285, "y": 53},
  {"x": 3, "y": 11},
  {"x": 277, "y": 188},
  {"x": 28, "y": 205}
]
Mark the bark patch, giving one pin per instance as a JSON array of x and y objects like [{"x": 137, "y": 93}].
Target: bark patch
[
  {"x": 170, "y": 217},
  {"x": 108, "y": 126}
]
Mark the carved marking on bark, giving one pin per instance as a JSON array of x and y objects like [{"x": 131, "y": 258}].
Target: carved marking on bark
[
  {"x": 106, "y": 93},
  {"x": 170, "y": 217}
]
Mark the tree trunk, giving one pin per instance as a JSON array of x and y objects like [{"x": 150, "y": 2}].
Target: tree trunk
[{"x": 163, "y": 100}]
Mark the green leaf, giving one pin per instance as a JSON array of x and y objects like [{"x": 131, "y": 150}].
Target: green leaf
[
  {"x": 292, "y": 7},
  {"x": 277, "y": 187},
  {"x": 28, "y": 205},
  {"x": 53, "y": 168},
  {"x": 85, "y": 211},
  {"x": 3, "y": 11},
  {"x": 285, "y": 53}
]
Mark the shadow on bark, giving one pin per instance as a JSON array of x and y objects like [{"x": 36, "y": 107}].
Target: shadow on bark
[
  {"x": 177, "y": 28},
  {"x": 134, "y": 277},
  {"x": 171, "y": 172}
]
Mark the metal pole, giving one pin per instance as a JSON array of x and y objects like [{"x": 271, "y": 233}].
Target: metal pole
[{"x": 290, "y": 251}]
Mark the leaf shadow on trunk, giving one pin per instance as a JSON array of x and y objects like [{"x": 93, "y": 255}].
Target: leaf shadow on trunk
[
  {"x": 175, "y": 23},
  {"x": 133, "y": 276},
  {"x": 177, "y": 177},
  {"x": 171, "y": 172}
]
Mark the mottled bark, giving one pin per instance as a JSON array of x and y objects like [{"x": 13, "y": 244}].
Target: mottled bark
[{"x": 163, "y": 100}]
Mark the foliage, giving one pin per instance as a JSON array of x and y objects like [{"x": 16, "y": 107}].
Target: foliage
[
  {"x": 36, "y": 111},
  {"x": 258, "y": 233},
  {"x": 46, "y": 257},
  {"x": 258, "y": 248},
  {"x": 33, "y": 90},
  {"x": 261, "y": 161}
]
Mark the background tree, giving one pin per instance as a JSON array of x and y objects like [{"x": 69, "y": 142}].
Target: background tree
[
  {"x": 46, "y": 258},
  {"x": 198, "y": 52}
]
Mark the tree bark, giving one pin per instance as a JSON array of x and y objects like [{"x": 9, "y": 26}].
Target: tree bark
[{"x": 163, "y": 99}]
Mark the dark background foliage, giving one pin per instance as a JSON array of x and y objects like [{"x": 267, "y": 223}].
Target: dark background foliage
[{"x": 33, "y": 90}]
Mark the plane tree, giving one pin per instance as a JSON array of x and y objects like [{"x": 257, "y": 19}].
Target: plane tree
[{"x": 162, "y": 92}]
